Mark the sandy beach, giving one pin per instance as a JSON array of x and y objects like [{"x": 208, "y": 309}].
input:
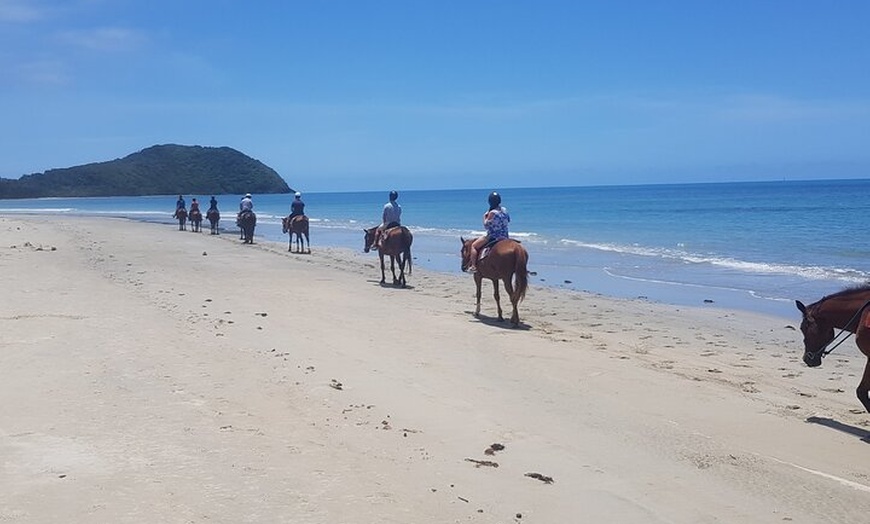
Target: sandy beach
[{"x": 152, "y": 375}]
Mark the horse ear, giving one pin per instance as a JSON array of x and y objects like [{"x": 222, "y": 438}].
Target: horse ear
[
  {"x": 462, "y": 239},
  {"x": 800, "y": 305}
]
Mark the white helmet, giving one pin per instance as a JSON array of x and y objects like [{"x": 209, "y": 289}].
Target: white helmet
[
  {"x": 247, "y": 195},
  {"x": 298, "y": 194}
]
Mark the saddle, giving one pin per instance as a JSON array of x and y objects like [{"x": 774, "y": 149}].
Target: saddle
[{"x": 488, "y": 247}]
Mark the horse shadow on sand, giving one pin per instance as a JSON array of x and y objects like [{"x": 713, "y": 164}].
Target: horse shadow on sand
[
  {"x": 495, "y": 322},
  {"x": 862, "y": 434},
  {"x": 390, "y": 285}
]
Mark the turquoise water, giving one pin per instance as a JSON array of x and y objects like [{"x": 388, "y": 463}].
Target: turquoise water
[{"x": 753, "y": 246}]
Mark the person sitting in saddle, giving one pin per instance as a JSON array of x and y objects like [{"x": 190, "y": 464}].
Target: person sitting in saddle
[
  {"x": 495, "y": 221},
  {"x": 180, "y": 203},
  {"x": 212, "y": 204},
  {"x": 194, "y": 206},
  {"x": 246, "y": 204},
  {"x": 297, "y": 207},
  {"x": 392, "y": 217}
]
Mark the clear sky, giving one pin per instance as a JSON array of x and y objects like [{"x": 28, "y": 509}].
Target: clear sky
[{"x": 356, "y": 94}]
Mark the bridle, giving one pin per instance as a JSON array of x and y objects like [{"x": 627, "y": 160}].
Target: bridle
[{"x": 823, "y": 351}]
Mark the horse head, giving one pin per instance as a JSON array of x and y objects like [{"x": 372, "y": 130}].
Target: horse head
[
  {"x": 369, "y": 239},
  {"x": 285, "y": 224},
  {"x": 817, "y": 331},
  {"x": 465, "y": 253}
]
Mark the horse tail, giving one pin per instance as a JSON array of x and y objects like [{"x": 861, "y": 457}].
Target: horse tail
[
  {"x": 521, "y": 272},
  {"x": 410, "y": 238}
]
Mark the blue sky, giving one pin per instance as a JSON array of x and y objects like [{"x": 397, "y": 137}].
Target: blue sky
[{"x": 357, "y": 95}]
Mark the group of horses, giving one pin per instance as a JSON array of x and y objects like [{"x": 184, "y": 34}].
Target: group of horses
[
  {"x": 195, "y": 218},
  {"x": 246, "y": 221},
  {"x": 507, "y": 261}
]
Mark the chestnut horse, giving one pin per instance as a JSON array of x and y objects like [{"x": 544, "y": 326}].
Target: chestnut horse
[
  {"x": 181, "y": 215},
  {"x": 506, "y": 260},
  {"x": 299, "y": 227},
  {"x": 213, "y": 216},
  {"x": 195, "y": 217},
  {"x": 847, "y": 311},
  {"x": 247, "y": 221},
  {"x": 395, "y": 242}
]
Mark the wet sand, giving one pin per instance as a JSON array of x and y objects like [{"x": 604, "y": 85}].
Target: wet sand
[{"x": 152, "y": 375}]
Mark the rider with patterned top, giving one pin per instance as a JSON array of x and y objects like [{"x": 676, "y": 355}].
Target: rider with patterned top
[{"x": 495, "y": 221}]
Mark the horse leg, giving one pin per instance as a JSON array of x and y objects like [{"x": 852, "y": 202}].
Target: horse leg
[
  {"x": 383, "y": 275},
  {"x": 509, "y": 287},
  {"x": 863, "y": 390},
  {"x": 862, "y": 339},
  {"x": 393, "y": 269},
  {"x": 401, "y": 260},
  {"x": 477, "y": 281},
  {"x": 497, "y": 298},
  {"x": 308, "y": 243}
]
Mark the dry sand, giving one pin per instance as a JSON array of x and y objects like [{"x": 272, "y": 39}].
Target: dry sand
[{"x": 152, "y": 375}]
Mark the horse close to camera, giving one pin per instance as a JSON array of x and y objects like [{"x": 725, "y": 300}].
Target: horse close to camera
[{"x": 848, "y": 311}]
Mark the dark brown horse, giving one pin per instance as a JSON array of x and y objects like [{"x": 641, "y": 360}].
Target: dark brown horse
[
  {"x": 181, "y": 215},
  {"x": 247, "y": 221},
  {"x": 214, "y": 217},
  {"x": 395, "y": 242},
  {"x": 195, "y": 217},
  {"x": 299, "y": 227},
  {"x": 507, "y": 261},
  {"x": 847, "y": 311}
]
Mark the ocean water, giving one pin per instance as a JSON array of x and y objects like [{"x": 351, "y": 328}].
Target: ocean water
[{"x": 751, "y": 246}]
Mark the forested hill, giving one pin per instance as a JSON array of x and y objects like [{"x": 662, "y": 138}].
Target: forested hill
[{"x": 157, "y": 170}]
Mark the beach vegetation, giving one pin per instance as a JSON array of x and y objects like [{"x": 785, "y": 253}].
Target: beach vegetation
[{"x": 158, "y": 170}]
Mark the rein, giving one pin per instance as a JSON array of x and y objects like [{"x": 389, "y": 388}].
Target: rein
[{"x": 823, "y": 351}]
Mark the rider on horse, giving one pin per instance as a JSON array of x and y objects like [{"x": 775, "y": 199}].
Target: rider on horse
[
  {"x": 212, "y": 204},
  {"x": 194, "y": 206},
  {"x": 297, "y": 207},
  {"x": 392, "y": 217},
  {"x": 495, "y": 221}
]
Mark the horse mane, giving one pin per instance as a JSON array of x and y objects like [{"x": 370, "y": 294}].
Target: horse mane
[{"x": 851, "y": 290}]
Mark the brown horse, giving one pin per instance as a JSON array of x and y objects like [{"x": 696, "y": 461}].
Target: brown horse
[
  {"x": 214, "y": 217},
  {"x": 395, "y": 242},
  {"x": 247, "y": 221},
  {"x": 299, "y": 227},
  {"x": 181, "y": 215},
  {"x": 506, "y": 260},
  {"x": 847, "y": 311},
  {"x": 195, "y": 217}
]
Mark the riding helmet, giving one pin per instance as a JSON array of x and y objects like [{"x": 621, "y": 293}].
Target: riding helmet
[
  {"x": 494, "y": 199},
  {"x": 394, "y": 195},
  {"x": 298, "y": 194}
]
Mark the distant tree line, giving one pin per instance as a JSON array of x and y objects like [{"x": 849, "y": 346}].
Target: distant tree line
[{"x": 157, "y": 170}]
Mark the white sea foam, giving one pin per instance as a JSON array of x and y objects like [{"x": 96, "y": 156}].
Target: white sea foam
[{"x": 808, "y": 272}]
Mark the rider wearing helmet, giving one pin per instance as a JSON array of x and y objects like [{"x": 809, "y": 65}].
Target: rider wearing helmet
[
  {"x": 297, "y": 207},
  {"x": 495, "y": 221},
  {"x": 392, "y": 217},
  {"x": 246, "y": 204}
]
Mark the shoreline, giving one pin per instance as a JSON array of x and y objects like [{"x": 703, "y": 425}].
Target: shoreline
[{"x": 155, "y": 375}]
